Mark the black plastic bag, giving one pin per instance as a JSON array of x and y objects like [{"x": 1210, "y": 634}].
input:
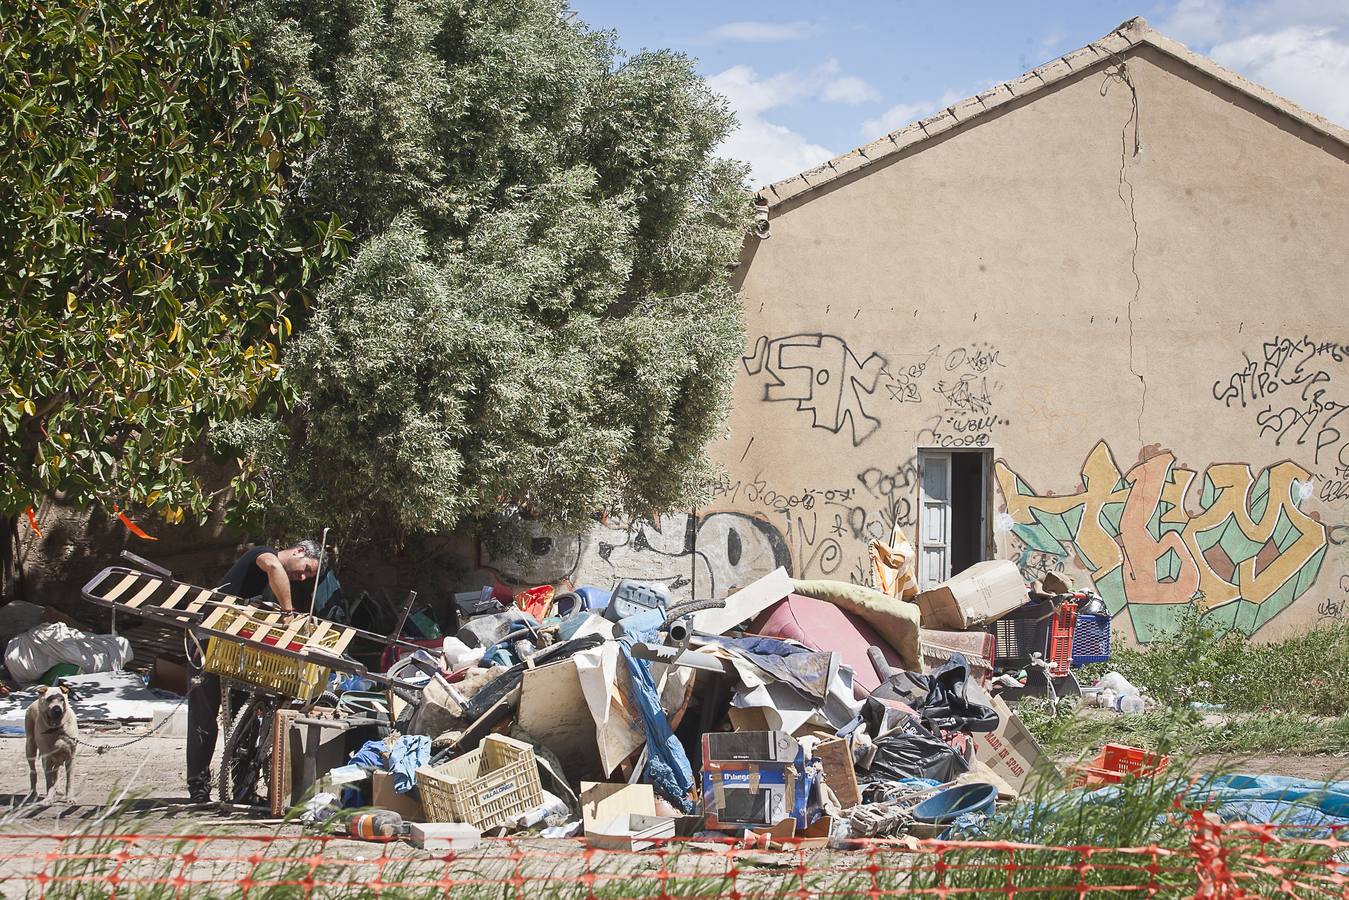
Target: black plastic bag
[{"x": 905, "y": 754}]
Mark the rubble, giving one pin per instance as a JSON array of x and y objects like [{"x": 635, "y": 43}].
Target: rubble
[{"x": 790, "y": 711}]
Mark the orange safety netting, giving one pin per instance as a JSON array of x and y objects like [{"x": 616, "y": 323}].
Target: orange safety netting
[{"x": 1220, "y": 861}]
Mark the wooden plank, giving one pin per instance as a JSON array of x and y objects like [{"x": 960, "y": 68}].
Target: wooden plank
[
  {"x": 262, "y": 625},
  {"x": 121, "y": 587},
  {"x": 315, "y": 639},
  {"x": 195, "y": 605},
  {"x": 143, "y": 593},
  {"x": 745, "y": 604},
  {"x": 289, "y": 634},
  {"x": 178, "y": 593}
]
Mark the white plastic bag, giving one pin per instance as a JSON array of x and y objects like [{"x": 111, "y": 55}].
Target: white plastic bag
[{"x": 39, "y": 648}]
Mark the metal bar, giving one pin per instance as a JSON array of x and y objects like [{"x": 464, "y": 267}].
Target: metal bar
[
  {"x": 402, "y": 620},
  {"x": 145, "y": 564}
]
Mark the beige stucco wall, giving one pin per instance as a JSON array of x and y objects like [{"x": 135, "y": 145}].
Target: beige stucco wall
[{"x": 1003, "y": 256}]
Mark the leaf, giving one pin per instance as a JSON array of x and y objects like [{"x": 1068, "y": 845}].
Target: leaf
[{"x": 70, "y": 302}]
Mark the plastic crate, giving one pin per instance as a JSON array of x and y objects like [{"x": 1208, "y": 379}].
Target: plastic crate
[
  {"x": 486, "y": 787},
  {"x": 273, "y": 672},
  {"x": 1117, "y": 761},
  {"x": 1035, "y": 628},
  {"x": 1091, "y": 639}
]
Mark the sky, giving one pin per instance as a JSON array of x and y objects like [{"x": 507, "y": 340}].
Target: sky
[{"x": 809, "y": 81}]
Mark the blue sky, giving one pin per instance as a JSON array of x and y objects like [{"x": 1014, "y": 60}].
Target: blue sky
[{"x": 811, "y": 80}]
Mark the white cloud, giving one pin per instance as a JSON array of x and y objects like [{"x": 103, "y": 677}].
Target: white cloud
[
  {"x": 1309, "y": 66},
  {"x": 773, "y": 151},
  {"x": 1201, "y": 23},
  {"x": 762, "y": 32},
  {"x": 1297, "y": 48},
  {"x": 901, "y": 114},
  {"x": 849, "y": 89}
]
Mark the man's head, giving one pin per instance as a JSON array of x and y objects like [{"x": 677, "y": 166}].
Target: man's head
[{"x": 301, "y": 561}]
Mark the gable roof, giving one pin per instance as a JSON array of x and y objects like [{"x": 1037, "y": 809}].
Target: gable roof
[{"x": 1108, "y": 49}]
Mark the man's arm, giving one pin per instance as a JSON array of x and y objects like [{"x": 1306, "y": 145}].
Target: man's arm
[{"x": 277, "y": 579}]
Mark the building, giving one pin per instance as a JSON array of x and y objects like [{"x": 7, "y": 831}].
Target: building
[{"x": 1091, "y": 320}]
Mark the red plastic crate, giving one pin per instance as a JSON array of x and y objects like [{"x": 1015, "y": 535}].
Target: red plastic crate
[
  {"x": 1115, "y": 761},
  {"x": 1061, "y": 625}
]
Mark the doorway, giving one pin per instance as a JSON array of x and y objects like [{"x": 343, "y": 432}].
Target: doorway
[{"x": 956, "y": 502}]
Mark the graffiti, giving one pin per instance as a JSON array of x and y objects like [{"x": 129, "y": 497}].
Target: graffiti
[
  {"x": 970, "y": 395},
  {"x": 1245, "y": 555},
  {"x": 697, "y": 556},
  {"x": 1289, "y": 388},
  {"x": 961, "y": 387},
  {"x": 1336, "y": 487},
  {"x": 822, "y": 375},
  {"x": 888, "y": 502},
  {"x": 1333, "y": 609}
]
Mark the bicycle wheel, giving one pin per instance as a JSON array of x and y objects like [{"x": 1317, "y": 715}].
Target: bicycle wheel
[{"x": 247, "y": 756}]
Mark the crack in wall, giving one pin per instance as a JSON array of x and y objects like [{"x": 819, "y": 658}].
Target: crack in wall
[{"x": 1120, "y": 73}]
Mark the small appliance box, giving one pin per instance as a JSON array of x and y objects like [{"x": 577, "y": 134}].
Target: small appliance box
[
  {"x": 741, "y": 791},
  {"x": 983, "y": 593}
]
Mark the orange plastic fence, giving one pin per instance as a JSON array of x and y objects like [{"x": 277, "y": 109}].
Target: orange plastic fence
[{"x": 1220, "y": 861}]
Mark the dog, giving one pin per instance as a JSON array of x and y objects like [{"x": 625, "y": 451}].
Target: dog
[{"x": 52, "y": 734}]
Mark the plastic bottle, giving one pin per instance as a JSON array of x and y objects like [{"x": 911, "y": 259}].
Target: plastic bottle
[
  {"x": 379, "y": 823},
  {"x": 1129, "y": 703}
]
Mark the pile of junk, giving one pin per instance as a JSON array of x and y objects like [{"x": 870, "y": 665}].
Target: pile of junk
[{"x": 809, "y": 710}]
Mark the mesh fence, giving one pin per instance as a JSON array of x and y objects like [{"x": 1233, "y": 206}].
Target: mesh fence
[{"x": 1219, "y": 861}]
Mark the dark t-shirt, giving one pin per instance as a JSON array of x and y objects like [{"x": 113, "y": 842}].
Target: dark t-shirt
[{"x": 245, "y": 579}]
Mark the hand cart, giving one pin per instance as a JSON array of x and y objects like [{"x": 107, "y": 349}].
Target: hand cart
[{"x": 277, "y": 660}]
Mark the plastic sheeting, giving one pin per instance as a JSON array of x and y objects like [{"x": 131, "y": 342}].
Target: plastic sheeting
[
  {"x": 667, "y": 766},
  {"x": 1275, "y": 798},
  {"x": 39, "y": 648}
]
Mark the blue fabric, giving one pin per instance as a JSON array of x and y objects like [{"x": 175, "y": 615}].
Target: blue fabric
[
  {"x": 410, "y": 752},
  {"x": 370, "y": 756},
  {"x": 667, "y": 766},
  {"x": 804, "y": 669}
]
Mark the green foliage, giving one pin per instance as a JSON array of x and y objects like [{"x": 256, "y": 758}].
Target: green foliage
[
  {"x": 1199, "y": 663},
  {"x": 538, "y": 317},
  {"x": 147, "y": 259}
]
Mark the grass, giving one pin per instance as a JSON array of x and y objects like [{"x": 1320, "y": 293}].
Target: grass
[
  {"x": 1205, "y": 664},
  {"x": 1287, "y": 696}
]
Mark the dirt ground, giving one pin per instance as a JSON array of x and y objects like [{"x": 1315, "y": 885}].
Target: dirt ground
[{"x": 151, "y": 774}]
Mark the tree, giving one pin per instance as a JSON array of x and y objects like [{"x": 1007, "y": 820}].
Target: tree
[
  {"x": 537, "y": 316},
  {"x": 150, "y": 261}
]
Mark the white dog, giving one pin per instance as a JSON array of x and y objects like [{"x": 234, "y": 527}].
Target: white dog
[{"x": 52, "y": 732}]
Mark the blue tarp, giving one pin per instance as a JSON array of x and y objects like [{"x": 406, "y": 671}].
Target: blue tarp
[
  {"x": 667, "y": 766},
  {"x": 1274, "y": 798}
]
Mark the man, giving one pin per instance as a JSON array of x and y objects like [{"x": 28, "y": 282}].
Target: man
[{"x": 259, "y": 568}]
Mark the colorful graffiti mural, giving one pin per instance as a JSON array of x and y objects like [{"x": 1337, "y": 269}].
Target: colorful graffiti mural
[{"x": 1245, "y": 555}]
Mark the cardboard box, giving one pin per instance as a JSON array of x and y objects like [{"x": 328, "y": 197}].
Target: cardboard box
[
  {"x": 632, "y": 831},
  {"x": 754, "y": 794},
  {"x": 169, "y": 674},
  {"x": 1011, "y": 751},
  {"x": 602, "y": 802},
  {"x": 383, "y": 796},
  {"x": 749, "y": 746},
  {"x": 982, "y": 593}
]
